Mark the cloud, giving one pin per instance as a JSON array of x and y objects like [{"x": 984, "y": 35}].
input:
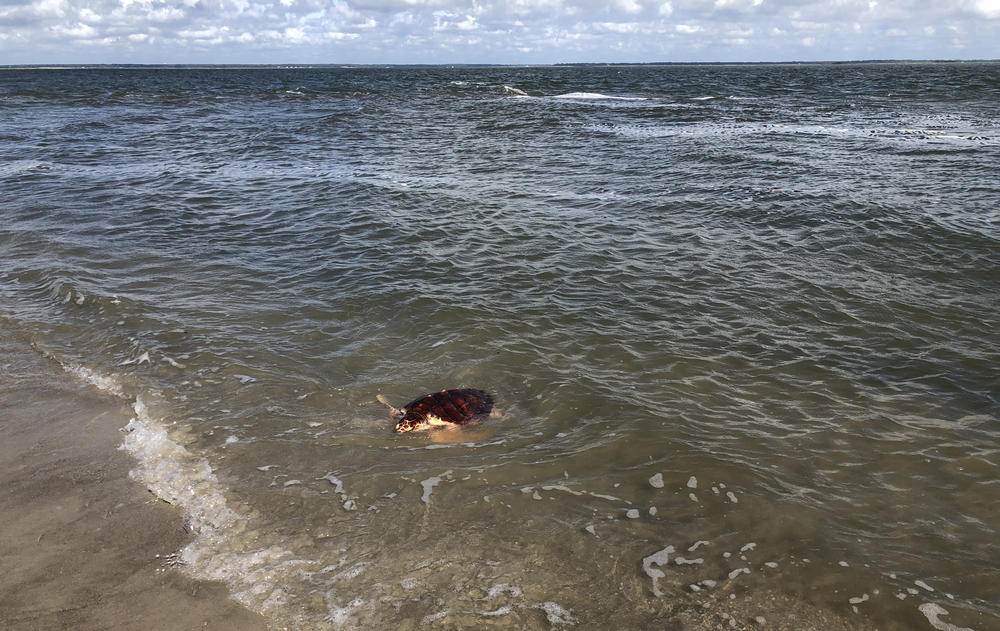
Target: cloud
[
  {"x": 989, "y": 9},
  {"x": 500, "y": 31}
]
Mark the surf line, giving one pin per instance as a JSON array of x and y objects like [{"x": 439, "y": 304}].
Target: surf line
[{"x": 218, "y": 551}]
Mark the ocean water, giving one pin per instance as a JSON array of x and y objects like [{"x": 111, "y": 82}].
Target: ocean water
[{"x": 741, "y": 323}]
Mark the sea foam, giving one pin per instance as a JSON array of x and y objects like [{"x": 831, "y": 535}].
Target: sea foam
[
  {"x": 596, "y": 96},
  {"x": 220, "y": 549}
]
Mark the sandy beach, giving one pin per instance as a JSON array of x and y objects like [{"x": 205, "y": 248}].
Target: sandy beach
[{"x": 84, "y": 546}]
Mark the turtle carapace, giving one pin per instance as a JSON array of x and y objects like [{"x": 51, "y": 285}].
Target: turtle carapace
[{"x": 448, "y": 407}]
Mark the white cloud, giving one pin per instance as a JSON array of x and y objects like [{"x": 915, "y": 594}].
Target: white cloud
[
  {"x": 618, "y": 27},
  {"x": 295, "y": 35},
  {"x": 988, "y": 8},
  {"x": 55, "y": 8},
  {"x": 75, "y": 31},
  {"x": 88, "y": 16},
  {"x": 737, "y": 5},
  {"x": 506, "y": 31},
  {"x": 628, "y": 6},
  {"x": 210, "y": 33}
]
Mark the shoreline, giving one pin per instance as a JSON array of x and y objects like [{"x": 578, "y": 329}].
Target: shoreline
[
  {"x": 88, "y": 548},
  {"x": 85, "y": 546}
]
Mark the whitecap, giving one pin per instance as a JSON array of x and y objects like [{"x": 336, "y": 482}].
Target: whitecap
[
  {"x": 141, "y": 359},
  {"x": 173, "y": 362},
  {"x": 596, "y": 96},
  {"x": 512, "y": 90}
]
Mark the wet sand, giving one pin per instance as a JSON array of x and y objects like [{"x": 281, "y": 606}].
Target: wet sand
[{"x": 84, "y": 546}]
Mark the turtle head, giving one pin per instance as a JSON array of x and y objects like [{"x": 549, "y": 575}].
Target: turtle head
[{"x": 410, "y": 424}]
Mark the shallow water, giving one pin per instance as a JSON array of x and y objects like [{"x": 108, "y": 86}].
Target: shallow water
[{"x": 741, "y": 324}]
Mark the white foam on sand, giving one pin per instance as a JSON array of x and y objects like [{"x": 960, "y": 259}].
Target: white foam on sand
[
  {"x": 503, "y": 588},
  {"x": 338, "y": 488},
  {"x": 222, "y": 548},
  {"x": 105, "y": 383},
  {"x": 660, "y": 559},
  {"x": 683, "y": 561},
  {"x": 433, "y": 617},
  {"x": 565, "y": 489},
  {"x": 429, "y": 484},
  {"x": 556, "y": 614},
  {"x": 934, "y": 612},
  {"x": 172, "y": 473},
  {"x": 340, "y": 616}
]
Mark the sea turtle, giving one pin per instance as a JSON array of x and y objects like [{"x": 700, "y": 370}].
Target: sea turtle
[{"x": 448, "y": 407}]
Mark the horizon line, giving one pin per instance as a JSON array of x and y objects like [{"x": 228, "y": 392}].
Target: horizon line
[{"x": 60, "y": 66}]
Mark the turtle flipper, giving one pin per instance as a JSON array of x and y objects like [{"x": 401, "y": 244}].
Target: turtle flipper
[{"x": 393, "y": 412}]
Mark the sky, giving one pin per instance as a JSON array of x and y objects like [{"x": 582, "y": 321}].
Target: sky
[{"x": 493, "y": 31}]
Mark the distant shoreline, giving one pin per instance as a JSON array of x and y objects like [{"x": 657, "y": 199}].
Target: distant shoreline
[{"x": 599, "y": 64}]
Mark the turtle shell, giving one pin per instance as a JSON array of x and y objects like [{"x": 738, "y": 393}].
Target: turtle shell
[{"x": 448, "y": 407}]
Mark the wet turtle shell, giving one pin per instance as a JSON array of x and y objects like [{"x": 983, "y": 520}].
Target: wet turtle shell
[{"x": 448, "y": 407}]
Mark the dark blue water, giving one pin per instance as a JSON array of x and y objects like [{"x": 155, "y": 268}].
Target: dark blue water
[{"x": 740, "y": 321}]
